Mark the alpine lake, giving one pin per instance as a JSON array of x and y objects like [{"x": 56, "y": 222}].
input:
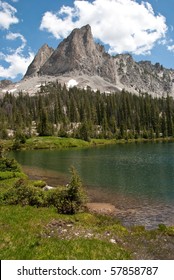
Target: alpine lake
[{"x": 137, "y": 178}]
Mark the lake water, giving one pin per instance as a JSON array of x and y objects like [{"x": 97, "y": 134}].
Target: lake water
[{"x": 137, "y": 178}]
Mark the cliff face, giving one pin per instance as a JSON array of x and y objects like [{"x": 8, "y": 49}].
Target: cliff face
[
  {"x": 78, "y": 55},
  {"x": 41, "y": 57}
]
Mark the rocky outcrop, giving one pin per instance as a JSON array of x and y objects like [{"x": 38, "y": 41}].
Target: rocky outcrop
[
  {"x": 41, "y": 57},
  {"x": 79, "y": 56},
  {"x": 5, "y": 83},
  {"x": 143, "y": 76}
]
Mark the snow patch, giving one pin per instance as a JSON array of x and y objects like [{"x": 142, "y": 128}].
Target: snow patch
[
  {"x": 9, "y": 90},
  {"x": 12, "y": 90},
  {"x": 72, "y": 83}
]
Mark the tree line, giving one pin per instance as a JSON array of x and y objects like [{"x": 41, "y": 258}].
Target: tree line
[{"x": 85, "y": 114}]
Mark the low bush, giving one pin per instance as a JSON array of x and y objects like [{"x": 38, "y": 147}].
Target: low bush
[
  {"x": 9, "y": 174},
  {"x": 7, "y": 164},
  {"x": 69, "y": 199},
  {"x": 39, "y": 184},
  {"x": 25, "y": 194},
  {"x": 66, "y": 199}
]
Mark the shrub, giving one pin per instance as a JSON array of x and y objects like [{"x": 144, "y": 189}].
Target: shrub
[
  {"x": 69, "y": 199},
  {"x": 10, "y": 197},
  {"x": 25, "y": 194},
  {"x": 29, "y": 195},
  {"x": 7, "y": 164},
  {"x": 53, "y": 196},
  {"x": 39, "y": 184},
  {"x": 8, "y": 175},
  {"x": 76, "y": 191}
]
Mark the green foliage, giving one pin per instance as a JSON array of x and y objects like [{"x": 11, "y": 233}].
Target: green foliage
[
  {"x": 3, "y": 133},
  {"x": 26, "y": 234},
  {"x": 25, "y": 194},
  {"x": 39, "y": 184},
  {"x": 8, "y": 175},
  {"x": 7, "y": 164},
  {"x": 20, "y": 136},
  {"x": 44, "y": 126},
  {"x": 67, "y": 199},
  {"x": 76, "y": 191},
  {"x": 162, "y": 227},
  {"x": 9, "y": 168},
  {"x": 85, "y": 114},
  {"x": 84, "y": 131}
]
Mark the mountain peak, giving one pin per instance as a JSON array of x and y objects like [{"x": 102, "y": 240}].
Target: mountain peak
[
  {"x": 41, "y": 57},
  {"x": 79, "y": 56}
]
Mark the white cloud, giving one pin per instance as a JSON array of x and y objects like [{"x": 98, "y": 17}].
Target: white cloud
[
  {"x": 7, "y": 15},
  {"x": 17, "y": 61},
  {"x": 124, "y": 25},
  {"x": 171, "y": 48},
  {"x": 14, "y": 36}
]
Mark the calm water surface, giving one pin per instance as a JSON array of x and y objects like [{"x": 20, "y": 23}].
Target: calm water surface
[{"x": 137, "y": 178}]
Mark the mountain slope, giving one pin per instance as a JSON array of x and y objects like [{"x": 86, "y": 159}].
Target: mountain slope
[
  {"x": 5, "y": 83},
  {"x": 79, "y": 54},
  {"x": 78, "y": 57},
  {"x": 41, "y": 57}
]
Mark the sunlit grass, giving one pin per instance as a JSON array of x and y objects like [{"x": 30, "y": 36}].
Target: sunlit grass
[{"x": 22, "y": 236}]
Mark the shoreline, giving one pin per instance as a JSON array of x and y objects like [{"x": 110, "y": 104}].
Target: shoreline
[
  {"x": 129, "y": 210},
  {"x": 54, "y": 143}
]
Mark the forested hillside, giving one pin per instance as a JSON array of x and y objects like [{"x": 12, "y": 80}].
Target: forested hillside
[{"x": 85, "y": 114}]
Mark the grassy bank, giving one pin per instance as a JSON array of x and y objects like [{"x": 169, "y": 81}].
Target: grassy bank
[
  {"x": 52, "y": 142},
  {"x": 30, "y": 232},
  {"x": 41, "y": 233}
]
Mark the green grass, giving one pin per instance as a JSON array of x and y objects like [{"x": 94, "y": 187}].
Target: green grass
[
  {"x": 52, "y": 142},
  {"x": 41, "y": 233},
  {"x": 24, "y": 235},
  {"x": 9, "y": 175}
]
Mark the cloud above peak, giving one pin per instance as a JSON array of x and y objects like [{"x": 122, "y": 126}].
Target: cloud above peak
[
  {"x": 17, "y": 62},
  {"x": 125, "y": 26},
  {"x": 7, "y": 15}
]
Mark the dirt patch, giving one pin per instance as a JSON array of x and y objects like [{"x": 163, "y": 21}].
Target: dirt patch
[
  {"x": 142, "y": 245},
  {"x": 66, "y": 230},
  {"x": 101, "y": 208}
]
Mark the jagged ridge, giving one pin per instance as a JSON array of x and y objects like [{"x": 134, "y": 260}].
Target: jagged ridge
[
  {"x": 79, "y": 55},
  {"x": 41, "y": 57}
]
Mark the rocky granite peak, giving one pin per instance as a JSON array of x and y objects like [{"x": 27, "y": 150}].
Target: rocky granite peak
[
  {"x": 41, "y": 57},
  {"x": 79, "y": 54},
  {"x": 79, "y": 57}
]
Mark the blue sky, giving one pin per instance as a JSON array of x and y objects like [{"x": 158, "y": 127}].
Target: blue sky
[{"x": 143, "y": 28}]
